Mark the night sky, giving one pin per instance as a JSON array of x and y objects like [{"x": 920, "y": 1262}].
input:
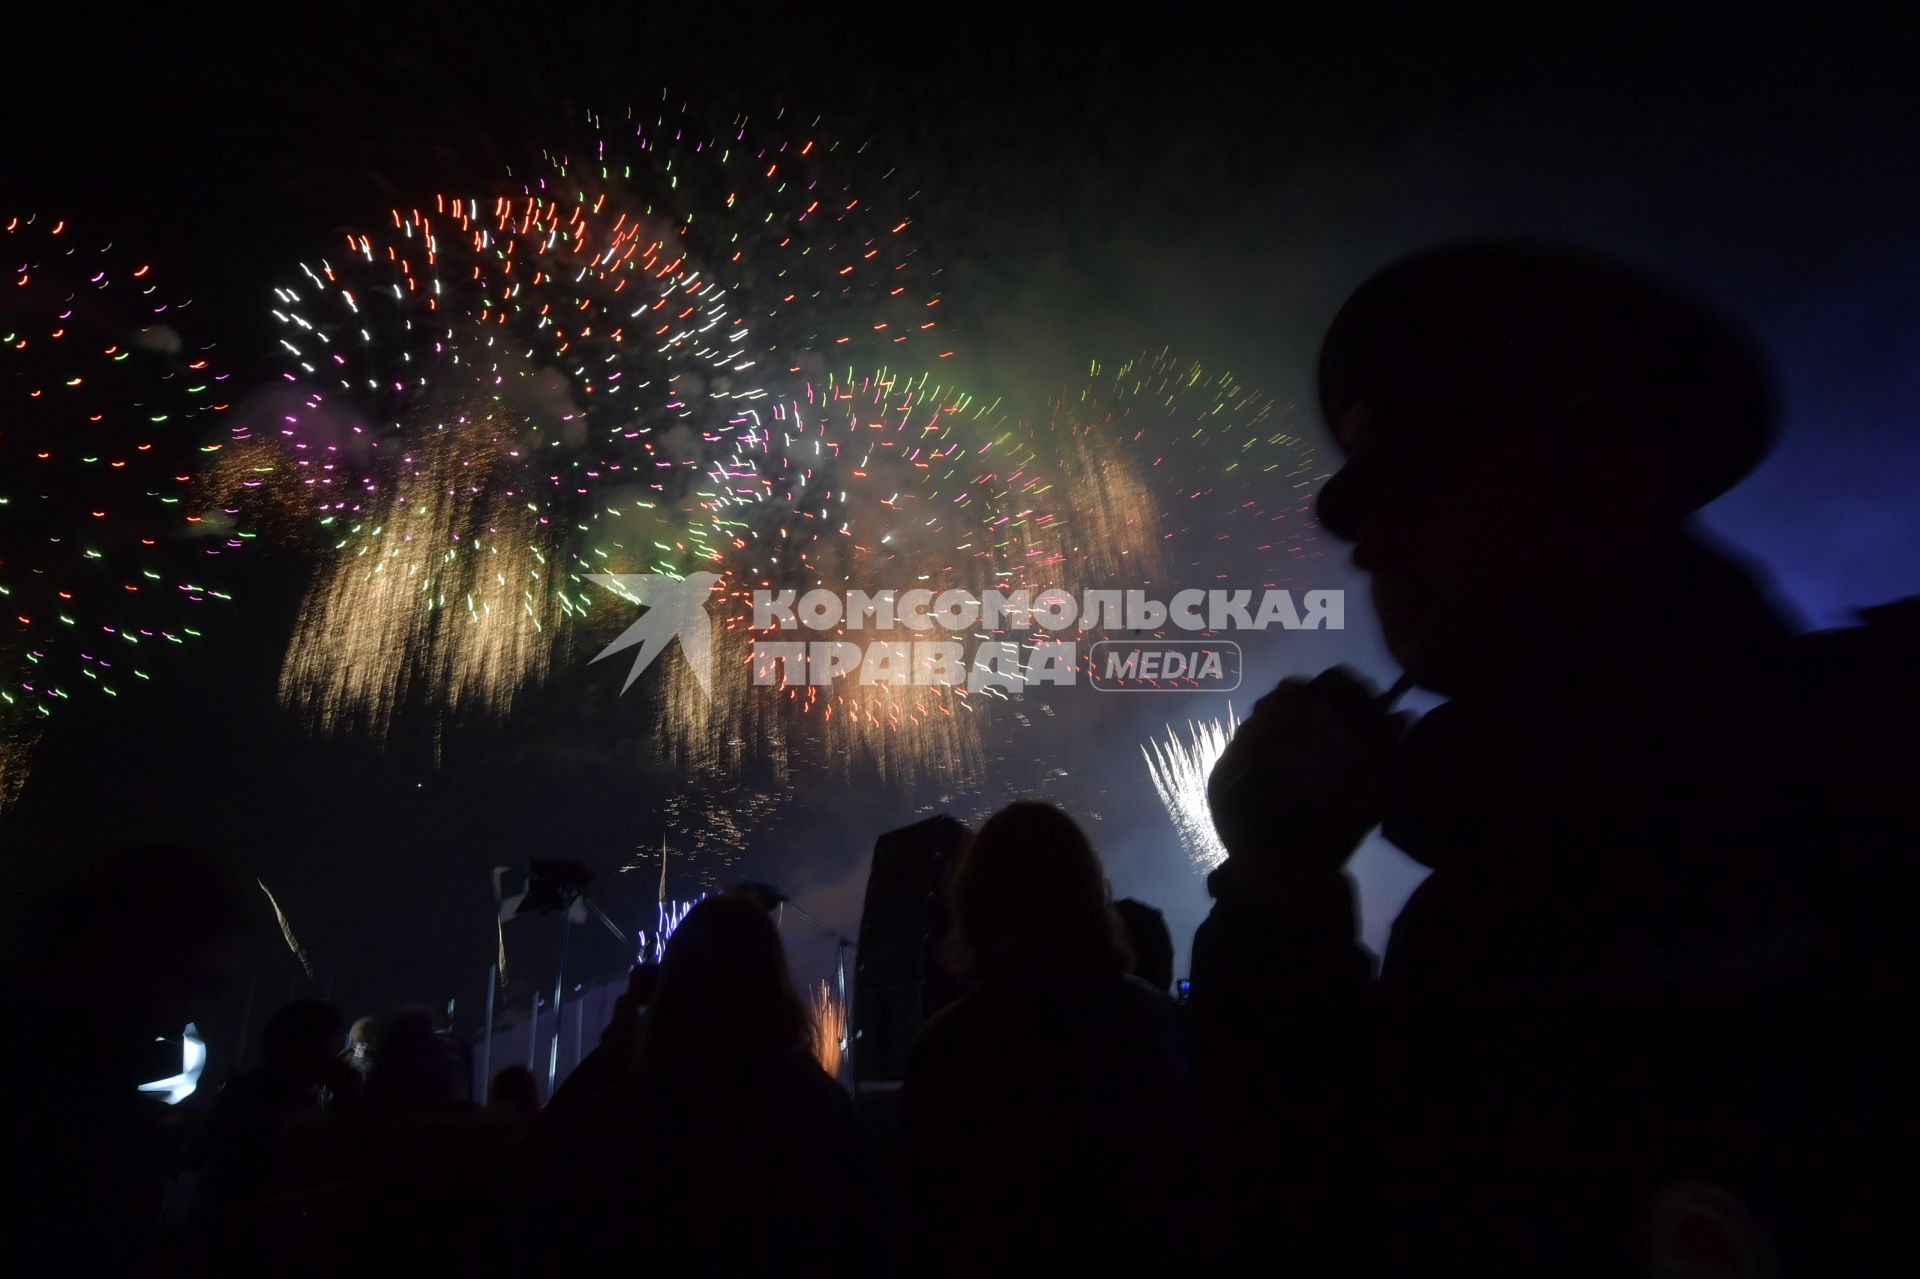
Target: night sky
[{"x": 1092, "y": 187}]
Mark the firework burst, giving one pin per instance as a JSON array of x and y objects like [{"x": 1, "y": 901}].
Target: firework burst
[
  {"x": 613, "y": 321},
  {"x": 1179, "y": 771},
  {"x": 829, "y": 1029},
  {"x": 1181, "y": 476},
  {"x": 677, "y": 348},
  {"x": 105, "y": 404},
  {"x": 863, "y": 482},
  {"x": 445, "y": 581}
]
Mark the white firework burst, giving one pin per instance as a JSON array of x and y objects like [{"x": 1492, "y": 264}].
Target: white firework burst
[{"x": 1179, "y": 771}]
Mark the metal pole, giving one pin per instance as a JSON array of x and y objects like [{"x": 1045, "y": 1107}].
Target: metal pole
[
  {"x": 579, "y": 1024},
  {"x": 486, "y": 1031},
  {"x": 607, "y": 920},
  {"x": 559, "y": 994},
  {"x": 840, "y": 974}
]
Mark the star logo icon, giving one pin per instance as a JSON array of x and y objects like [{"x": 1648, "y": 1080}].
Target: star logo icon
[{"x": 676, "y": 609}]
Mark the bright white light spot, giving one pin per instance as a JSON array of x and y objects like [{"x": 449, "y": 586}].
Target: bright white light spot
[
  {"x": 1179, "y": 771},
  {"x": 193, "y": 1059}
]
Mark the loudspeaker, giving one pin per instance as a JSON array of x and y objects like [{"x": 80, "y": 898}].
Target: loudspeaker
[{"x": 898, "y": 979}]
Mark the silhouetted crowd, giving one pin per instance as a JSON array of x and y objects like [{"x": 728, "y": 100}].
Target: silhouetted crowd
[{"x": 1650, "y": 1013}]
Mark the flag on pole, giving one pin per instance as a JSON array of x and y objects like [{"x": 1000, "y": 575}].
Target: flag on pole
[{"x": 542, "y": 888}]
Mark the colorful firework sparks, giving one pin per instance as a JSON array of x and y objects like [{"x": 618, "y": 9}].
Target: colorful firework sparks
[
  {"x": 104, "y": 564},
  {"x": 813, "y": 240},
  {"x": 620, "y": 365},
  {"x": 863, "y": 482},
  {"x": 882, "y": 481},
  {"x": 616, "y": 299},
  {"x": 653, "y": 945},
  {"x": 1166, "y": 463},
  {"x": 1179, "y": 770},
  {"x": 612, "y": 321},
  {"x": 525, "y": 304},
  {"x": 468, "y": 491},
  {"x": 829, "y": 1029}
]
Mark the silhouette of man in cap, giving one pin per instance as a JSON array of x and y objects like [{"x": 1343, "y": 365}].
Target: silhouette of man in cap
[{"x": 1624, "y": 1026}]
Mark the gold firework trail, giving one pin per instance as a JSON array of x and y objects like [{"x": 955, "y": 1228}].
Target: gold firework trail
[
  {"x": 444, "y": 586},
  {"x": 286, "y": 931}
]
